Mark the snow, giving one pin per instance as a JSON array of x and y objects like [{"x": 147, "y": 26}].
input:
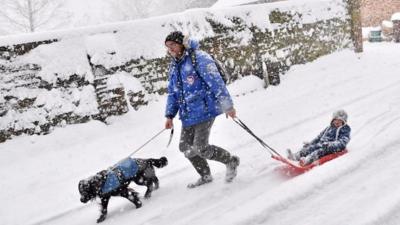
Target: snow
[
  {"x": 103, "y": 50},
  {"x": 395, "y": 16},
  {"x": 40, "y": 174},
  {"x": 53, "y": 102},
  {"x": 135, "y": 39},
  {"x": 388, "y": 24},
  {"x": 367, "y": 30},
  {"x": 87, "y": 12},
  {"x": 245, "y": 85},
  {"x": 230, "y": 3},
  {"x": 60, "y": 60},
  {"x": 114, "y": 44},
  {"x": 79, "y": 13}
]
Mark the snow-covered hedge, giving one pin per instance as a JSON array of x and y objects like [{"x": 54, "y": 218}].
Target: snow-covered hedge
[{"x": 70, "y": 76}]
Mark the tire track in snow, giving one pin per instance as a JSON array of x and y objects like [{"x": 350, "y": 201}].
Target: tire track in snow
[
  {"x": 384, "y": 126},
  {"x": 350, "y": 102},
  {"x": 377, "y": 92},
  {"x": 58, "y": 216},
  {"x": 357, "y": 188},
  {"x": 368, "y": 122},
  {"x": 267, "y": 175},
  {"x": 280, "y": 204},
  {"x": 390, "y": 217},
  {"x": 205, "y": 200}
]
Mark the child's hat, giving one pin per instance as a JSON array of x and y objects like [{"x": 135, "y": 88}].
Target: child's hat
[{"x": 340, "y": 115}]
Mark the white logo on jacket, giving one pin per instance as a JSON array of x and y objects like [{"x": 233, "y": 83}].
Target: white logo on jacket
[{"x": 190, "y": 79}]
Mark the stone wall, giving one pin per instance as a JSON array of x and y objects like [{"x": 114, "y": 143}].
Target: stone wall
[
  {"x": 59, "y": 81},
  {"x": 373, "y": 12}
]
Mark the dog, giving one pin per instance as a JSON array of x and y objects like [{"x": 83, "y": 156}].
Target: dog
[{"x": 115, "y": 182}]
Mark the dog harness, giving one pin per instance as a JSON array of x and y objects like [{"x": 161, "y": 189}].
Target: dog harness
[{"x": 119, "y": 174}]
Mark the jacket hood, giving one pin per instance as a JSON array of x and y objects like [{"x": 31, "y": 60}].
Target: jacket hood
[{"x": 190, "y": 44}]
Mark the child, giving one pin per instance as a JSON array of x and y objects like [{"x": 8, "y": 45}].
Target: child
[{"x": 332, "y": 139}]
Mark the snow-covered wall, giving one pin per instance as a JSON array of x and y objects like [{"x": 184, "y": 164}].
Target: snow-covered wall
[{"x": 70, "y": 76}]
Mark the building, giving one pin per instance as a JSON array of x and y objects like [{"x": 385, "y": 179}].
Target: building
[{"x": 373, "y": 12}]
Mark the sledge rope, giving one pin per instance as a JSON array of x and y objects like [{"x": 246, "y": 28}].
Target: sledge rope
[
  {"x": 170, "y": 138},
  {"x": 246, "y": 128}
]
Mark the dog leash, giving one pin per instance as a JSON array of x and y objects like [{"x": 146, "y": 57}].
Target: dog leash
[
  {"x": 156, "y": 135},
  {"x": 246, "y": 128}
]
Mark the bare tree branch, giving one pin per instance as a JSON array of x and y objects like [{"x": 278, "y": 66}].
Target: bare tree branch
[{"x": 31, "y": 15}]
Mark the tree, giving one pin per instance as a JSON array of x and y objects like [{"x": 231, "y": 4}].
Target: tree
[{"x": 31, "y": 15}]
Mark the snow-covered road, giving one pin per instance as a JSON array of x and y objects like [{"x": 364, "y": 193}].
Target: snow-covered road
[{"x": 40, "y": 173}]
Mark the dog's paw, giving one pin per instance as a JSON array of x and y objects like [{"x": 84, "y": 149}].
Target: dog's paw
[
  {"x": 138, "y": 203},
  {"x": 101, "y": 218},
  {"x": 147, "y": 195}
]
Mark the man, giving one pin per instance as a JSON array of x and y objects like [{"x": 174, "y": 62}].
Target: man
[
  {"x": 196, "y": 90},
  {"x": 332, "y": 139}
]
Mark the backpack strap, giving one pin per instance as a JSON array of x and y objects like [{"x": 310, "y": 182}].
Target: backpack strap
[
  {"x": 194, "y": 60},
  {"x": 220, "y": 67},
  {"x": 194, "y": 63}
]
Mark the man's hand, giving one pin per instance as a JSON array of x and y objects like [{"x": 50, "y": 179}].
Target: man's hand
[
  {"x": 190, "y": 153},
  {"x": 169, "y": 123},
  {"x": 231, "y": 113}
]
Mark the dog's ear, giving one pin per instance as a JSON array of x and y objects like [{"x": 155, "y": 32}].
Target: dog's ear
[
  {"x": 84, "y": 190},
  {"x": 88, "y": 187},
  {"x": 80, "y": 186},
  {"x": 83, "y": 186}
]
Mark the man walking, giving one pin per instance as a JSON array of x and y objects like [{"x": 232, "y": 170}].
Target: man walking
[{"x": 196, "y": 90}]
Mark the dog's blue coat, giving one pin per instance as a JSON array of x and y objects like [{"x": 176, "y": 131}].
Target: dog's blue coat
[{"x": 128, "y": 168}]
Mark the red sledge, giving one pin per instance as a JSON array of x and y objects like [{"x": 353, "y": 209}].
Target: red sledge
[
  {"x": 294, "y": 168},
  {"x": 291, "y": 168}
]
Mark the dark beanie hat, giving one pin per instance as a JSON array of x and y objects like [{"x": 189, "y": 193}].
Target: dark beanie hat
[{"x": 175, "y": 36}]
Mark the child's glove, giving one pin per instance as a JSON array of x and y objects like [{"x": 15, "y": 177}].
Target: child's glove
[{"x": 306, "y": 144}]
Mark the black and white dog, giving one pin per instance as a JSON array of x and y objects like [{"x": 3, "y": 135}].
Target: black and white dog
[{"x": 115, "y": 182}]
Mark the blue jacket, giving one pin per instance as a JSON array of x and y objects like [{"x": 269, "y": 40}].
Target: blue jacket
[
  {"x": 199, "y": 94},
  {"x": 118, "y": 174},
  {"x": 334, "y": 138}
]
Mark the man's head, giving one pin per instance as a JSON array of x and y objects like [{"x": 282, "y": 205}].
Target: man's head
[
  {"x": 339, "y": 118},
  {"x": 174, "y": 44}
]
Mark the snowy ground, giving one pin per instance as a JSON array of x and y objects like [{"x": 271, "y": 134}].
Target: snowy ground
[{"x": 40, "y": 174}]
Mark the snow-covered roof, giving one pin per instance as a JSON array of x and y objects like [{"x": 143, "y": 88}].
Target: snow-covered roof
[
  {"x": 378, "y": 28},
  {"x": 396, "y": 16},
  {"x": 387, "y": 23}
]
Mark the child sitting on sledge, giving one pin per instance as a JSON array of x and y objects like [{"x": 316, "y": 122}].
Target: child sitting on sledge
[{"x": 332, "y": 139}]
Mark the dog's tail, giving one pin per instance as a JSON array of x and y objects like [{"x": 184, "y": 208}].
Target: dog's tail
[{"x": 159, "y": 163}]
